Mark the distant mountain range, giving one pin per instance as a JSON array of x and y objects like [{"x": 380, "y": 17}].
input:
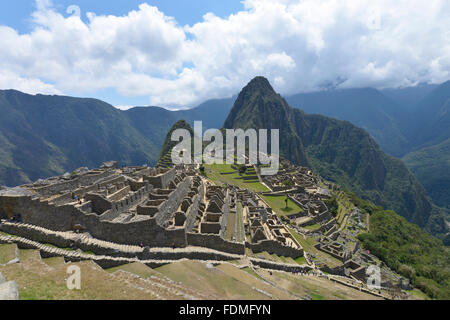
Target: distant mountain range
[
  {"x": 41, "y": 136},
  {"x": 44, "y": 135},
  {"x": 400, "y": 120}
]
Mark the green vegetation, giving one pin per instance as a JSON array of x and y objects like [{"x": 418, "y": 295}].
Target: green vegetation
[
  {"x": 409, "y": 123},
  {"x": 42, "y": 136},
  {"x": 224, "y": 173},
  {"x": 432, "y": 167},
  {"x": 308, "y": 245},
  {"x": 196, "y": 275},
  {"x": 278, "y": 204},
  {"x": 231, "y": 226},
  {"x": 365, "y": 107},
  {"x": 7, "y": 253},
  {"x": 408, "y": 250},
  {"x": 300, "y": 260},
  {"x": 240, "y": 223},
  {"x": 313, "y": 227},
  {"x": 418, "y": 294},
  {"x": 332, "y": 206},
  {"x": 316, "y": 296},
  {"x": 338, "y": 151}
]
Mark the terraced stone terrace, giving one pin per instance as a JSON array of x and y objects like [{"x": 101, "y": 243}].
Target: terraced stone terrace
[{"x": 138, "y": 225}]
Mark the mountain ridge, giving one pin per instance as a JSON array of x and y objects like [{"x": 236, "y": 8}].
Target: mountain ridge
[{"x": 336, "y": 149}]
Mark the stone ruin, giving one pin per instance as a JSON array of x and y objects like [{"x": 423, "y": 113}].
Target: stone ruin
[
  {"x": 125, "y": 214},
  {"x": 160, "y": 215}
]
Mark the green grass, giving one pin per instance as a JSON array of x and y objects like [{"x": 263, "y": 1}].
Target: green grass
[
  {"x": 418, "y": 294},
  {"x": 231, "y": 226},
  {"x": 301, "y": 260},
  {"x": 278, "y": 204},
  {"x": 308, "y": 246},
  {"x": 240, "y": 223},
  {"x": 196, "y": 275},
  {"x": 316, "y": 296},
  {"x": 224, "y": 173},
  {"x": 313, "y": 227},
  {"x": 136, "y": 268},
  {"x": 253, "y": 273},
  {"x": 7, "y": 253}
]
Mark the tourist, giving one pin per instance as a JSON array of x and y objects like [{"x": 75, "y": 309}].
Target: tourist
[{"x": 141, "y": 244}]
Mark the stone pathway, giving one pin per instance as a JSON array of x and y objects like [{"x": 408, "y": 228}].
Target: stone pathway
[{"x": 8, "y": 289}]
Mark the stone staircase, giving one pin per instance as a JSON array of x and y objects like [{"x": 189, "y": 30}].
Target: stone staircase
[
  {"x": 100, "y": 247},
  {"x": 108, "y": 254},
  {"x": 104, "y": 261}
]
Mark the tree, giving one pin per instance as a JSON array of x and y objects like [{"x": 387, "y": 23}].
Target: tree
[{"x": 288, "y": 183}]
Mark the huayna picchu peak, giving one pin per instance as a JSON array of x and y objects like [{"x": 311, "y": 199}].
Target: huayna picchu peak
[{"x": 337, "y": 150}]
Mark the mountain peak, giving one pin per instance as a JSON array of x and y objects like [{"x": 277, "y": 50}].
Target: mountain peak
[
  {"x": 256, "y": 100},
  {"x": 165, "y": 158},
  {"x": 259, "y": 83},
  {"x": 258, "y": 106}
]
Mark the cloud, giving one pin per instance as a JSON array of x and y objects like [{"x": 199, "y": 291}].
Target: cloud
[
  {"x": 10, "y": 80},
  {"x": 124, "y": 107},
  {"x": 299, "y": 45}
]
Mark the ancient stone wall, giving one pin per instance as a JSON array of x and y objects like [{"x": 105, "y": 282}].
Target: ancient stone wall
[
  {"x": 279, "y": 266},
  {"x": 119, "y": 194},
  {"x": 73, "y": 184},
  {"x": 170, "y": 206},
  {"x": 64, "y": 218},
  {"x": 99, "y": 203},
  {"x": 274, "y": 247},
  {"x": 163, "y": 180},
  {"x": 214, "y": 241},
  {"x": 192, "y": 211},
  {"x": 64, "y": 198}
]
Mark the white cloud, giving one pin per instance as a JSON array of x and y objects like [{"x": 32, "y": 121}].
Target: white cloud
[
  {"x": 10, "y": 80},
  {"x": 124, "y": 107},
  {"x": 298, "y": 45}
]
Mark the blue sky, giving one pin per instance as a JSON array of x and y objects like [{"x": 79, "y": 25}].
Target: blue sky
[
  {"x": 179, "y": 53},
  {"x": 17, "y": 13}
]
